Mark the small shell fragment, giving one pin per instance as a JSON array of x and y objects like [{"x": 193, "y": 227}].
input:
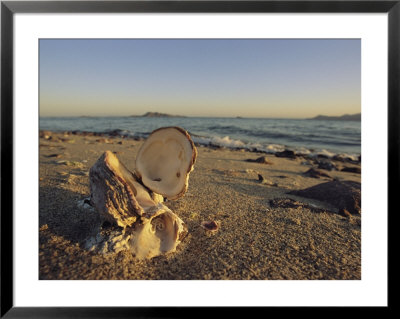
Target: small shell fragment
[{"x": 210, "y": 225}]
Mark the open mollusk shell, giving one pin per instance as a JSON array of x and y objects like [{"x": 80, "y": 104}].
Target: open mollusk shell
[
  {"x": 159, "y": 232},
  {"x": 149, "y": 228},
  {"x": 165, "y": 161},
  {"x": 112, "y": 191}
]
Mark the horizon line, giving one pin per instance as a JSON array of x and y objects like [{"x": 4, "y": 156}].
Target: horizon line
[
  {"x": 197, "y": 116},
  {"x": 173, "y": 116}
]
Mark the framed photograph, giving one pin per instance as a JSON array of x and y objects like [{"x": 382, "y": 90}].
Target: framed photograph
[{"x": 164, "y": 155}]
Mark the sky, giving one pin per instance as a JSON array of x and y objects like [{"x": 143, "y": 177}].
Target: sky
[{"x": 272, "y": 78}]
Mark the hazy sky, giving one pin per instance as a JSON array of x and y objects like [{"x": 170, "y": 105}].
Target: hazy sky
[{"x": 249, "y": 78}]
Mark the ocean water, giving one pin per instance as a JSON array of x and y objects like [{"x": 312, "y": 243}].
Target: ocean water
[{"x": 266, "y": 135}]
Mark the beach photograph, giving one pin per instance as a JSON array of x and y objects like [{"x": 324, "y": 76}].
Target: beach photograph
[{"x": 199, "y": 159}]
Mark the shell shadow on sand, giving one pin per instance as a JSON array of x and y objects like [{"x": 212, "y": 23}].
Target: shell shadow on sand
[{"x": 64, "y": 217}]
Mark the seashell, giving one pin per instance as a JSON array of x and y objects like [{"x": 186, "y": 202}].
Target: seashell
[
  {"x": 165, "y": 160},
  {"x": 159, "y": 233},
  {"x": 210, "y": 225},
  {"x": 149, "y": 228},
  {"x": 113, "y": 191}
]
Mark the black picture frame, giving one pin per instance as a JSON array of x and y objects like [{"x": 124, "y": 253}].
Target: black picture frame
[{"x": 9, "y": 8}]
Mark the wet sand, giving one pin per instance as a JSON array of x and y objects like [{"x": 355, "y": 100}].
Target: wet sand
[{"x": 258, "y": 238}]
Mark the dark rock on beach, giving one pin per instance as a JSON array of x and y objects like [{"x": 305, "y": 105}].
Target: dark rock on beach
[
  {"x": 356, "y": 170},
  {"x": 286, "y": 153},
  {"x": 326, "y": 164},
  {"x": 315, "y": 173},
  {"x": 262, "y": 180},
  {"x": 261, "y": 160},
  {"x": 346, "y": 159},
  {"x": 345, "y": 195}
]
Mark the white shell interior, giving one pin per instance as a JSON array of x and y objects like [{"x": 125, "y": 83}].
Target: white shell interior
[
  {"x": 164, "y": 162},
  {"x": 157, "y": 235}
]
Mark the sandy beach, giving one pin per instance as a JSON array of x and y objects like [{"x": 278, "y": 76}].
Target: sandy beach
[{"x": 266, "y": 230}]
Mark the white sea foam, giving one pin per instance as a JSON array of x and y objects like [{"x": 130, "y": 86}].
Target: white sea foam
[
  {"x": 229, "y": 142},
  {"x": 305, "y": 138},
  {"x": 302, "y": 151},
  {"x": 226, "y": 141},
  {"x": 273, "y": 148}
]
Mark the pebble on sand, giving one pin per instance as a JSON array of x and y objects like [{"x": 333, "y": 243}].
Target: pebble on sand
[{"x": 261, "y": 160}]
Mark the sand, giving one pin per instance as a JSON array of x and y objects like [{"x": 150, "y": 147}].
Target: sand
[{"x": 255, "y": 240}]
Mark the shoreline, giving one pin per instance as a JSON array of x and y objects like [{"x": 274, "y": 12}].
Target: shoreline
[
  {"x": 267, "y": 230},
  {"x": 207, "y": 142}
]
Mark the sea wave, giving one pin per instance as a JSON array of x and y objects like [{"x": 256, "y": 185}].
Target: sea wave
[
  {"x": 228, "y": 142},
  {"x": 261, "y": 135}
]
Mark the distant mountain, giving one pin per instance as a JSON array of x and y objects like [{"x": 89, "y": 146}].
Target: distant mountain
[
  {"x": 345, "y": 117},
  {"x": 157, "y": 114}
]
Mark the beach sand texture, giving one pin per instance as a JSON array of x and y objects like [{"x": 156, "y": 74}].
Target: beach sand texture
[{"x": 260, "y": 236}]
